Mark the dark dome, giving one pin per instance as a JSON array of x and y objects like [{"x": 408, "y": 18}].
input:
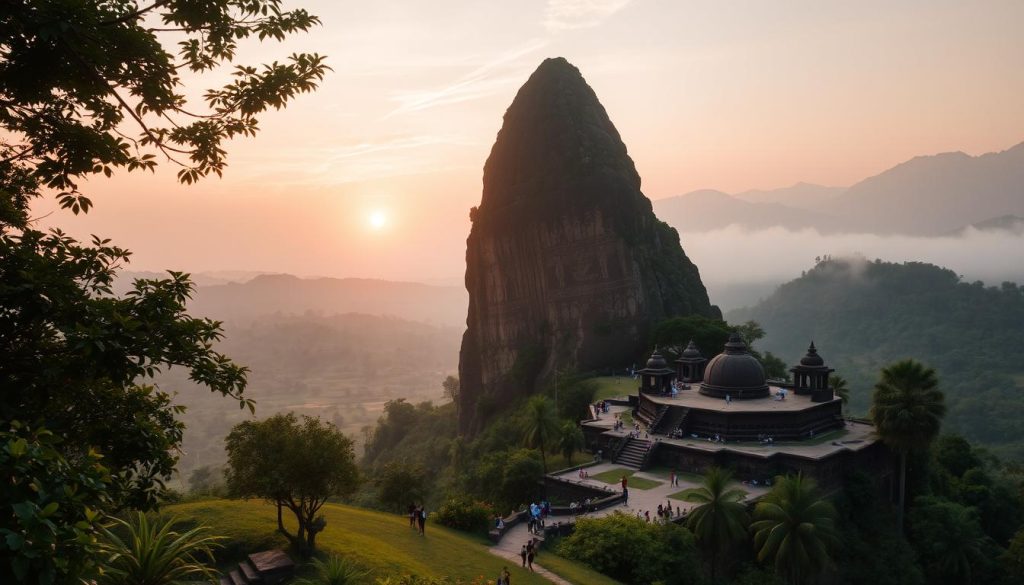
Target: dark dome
[
  {"x": 735, "y": 373},
  {"x": 812, "y": 359},
  {"x": 691, "y": 351},
  {"x": 656, "y": 361}
]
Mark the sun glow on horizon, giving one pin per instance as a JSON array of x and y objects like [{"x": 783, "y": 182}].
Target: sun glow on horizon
[{"x": 377, "y": 220}]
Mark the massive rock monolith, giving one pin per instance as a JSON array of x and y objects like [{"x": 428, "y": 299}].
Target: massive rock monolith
[{"x": 567, "y": 267}]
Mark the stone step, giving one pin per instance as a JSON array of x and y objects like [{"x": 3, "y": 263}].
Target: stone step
[
  {"x": 237, "y": 578},
  {"x": 250, "y": 573},
  {"x": 225, "y": 581}
]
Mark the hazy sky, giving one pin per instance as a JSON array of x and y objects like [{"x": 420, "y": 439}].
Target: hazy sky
[{"x": 374, "y": 174}]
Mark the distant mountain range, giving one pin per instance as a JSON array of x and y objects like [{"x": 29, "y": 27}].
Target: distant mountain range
[
  {"x": 255, "y": 295},
  {"x": 937, "y": 195}
]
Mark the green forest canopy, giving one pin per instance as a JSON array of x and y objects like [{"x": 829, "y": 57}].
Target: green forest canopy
[{"x": 863, "y": 315}]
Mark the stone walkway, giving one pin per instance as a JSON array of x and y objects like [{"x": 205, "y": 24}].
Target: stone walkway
[{"x": 512, "y": 543}]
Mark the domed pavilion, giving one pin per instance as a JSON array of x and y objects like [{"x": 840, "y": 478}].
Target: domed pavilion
[{"x": 725, "y": 412}]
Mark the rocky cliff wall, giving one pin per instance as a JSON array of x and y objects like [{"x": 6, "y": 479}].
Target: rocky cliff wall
[{"x": 567, "y": 267}]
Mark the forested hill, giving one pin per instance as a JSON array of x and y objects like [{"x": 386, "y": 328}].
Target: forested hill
[{"x": 863, "y": 315}]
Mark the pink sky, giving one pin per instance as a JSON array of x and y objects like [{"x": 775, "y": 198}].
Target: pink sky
[{"x": 706, "y": 94}]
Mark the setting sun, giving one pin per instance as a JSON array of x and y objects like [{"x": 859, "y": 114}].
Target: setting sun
[{"x": 377, "y": 220}]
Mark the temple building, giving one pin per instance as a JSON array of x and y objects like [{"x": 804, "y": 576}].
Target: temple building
[{"x": 725, "y": 412}]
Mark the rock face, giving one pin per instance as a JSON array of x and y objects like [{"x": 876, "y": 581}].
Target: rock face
[{"x": 567, "y": 267}]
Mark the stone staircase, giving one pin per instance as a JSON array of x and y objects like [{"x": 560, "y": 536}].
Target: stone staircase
[
  {"x": 649, "y": 414},
  {"x": 675, "y": 419},
  {"x": 633, "y": 454},
  {"x": 262, "y": 568}
]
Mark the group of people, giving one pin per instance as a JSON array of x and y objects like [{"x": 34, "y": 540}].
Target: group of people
[
  {"x": 677, "y": 387},
  {"x": 618, "y": 425},
  {"x": 587, "y": 505},
  {"x": 584, "y": 474},
  {"x": 538, "y": 513},
  {"x": 529, "y": 552},
  {"x": 417, "y": 518},
  {"x": 664, "y": 513},
  {"x": 765, "y": 439}
]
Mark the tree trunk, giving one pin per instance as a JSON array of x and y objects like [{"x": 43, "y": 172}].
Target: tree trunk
[
  {"x": 903, "y": 490},
  {"x": 543, "y": 457},
  {"x": 280, "y": 523},
  {"x": 714, "y": 563}
]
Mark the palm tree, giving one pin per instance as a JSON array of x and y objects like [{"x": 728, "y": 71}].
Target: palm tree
[
  {"x": 541, "y": 426},
  {"x": 838, "y": 384},
  {"x": 794, "y": 529},
  {"x": 153, "y": 553},
  {"x": 907, "y": 409},
  {"x": 720, "y": 518},
  {"x": 950, "y": 541},
  {"x": 334, "y": 571},
  {"x": 570, "y": 439}
]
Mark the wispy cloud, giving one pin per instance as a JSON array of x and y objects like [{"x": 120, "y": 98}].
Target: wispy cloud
[
  {"x": 572, "y": 14},
  {"x": 483, "y": 81},
  {"x": 362, "y": 161}
]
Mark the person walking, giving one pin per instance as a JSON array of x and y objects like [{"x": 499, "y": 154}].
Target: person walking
[
  {"x": 531, "y": 551},
  {"x": 523, "y": 554},
  {"x": 421, "y": 519},
  {"x": 412, "y": 516}
]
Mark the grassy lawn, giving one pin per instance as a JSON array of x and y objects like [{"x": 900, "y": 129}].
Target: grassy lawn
[
  {"x": 664, "y": 472},
  {"x": 572, "y": 571},
  {"x": 614, "y": 387},
  {"x": 382, "y": 543},
  {"x": 615, "y": 476}
]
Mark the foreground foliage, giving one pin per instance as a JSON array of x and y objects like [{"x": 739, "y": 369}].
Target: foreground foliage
[
  {"x": 144, "y": 551},
  {"x": 88, "y": 89}
]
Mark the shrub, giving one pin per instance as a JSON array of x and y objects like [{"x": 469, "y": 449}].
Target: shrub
[
  {"x": 634, "y": 551},
  {"x": 463, "y": 513}
]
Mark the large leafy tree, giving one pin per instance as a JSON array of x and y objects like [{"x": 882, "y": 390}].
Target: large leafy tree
[
  {"x": 720, "y": 519},
  {"x": 89, "y": 87},
  {"x": 541, "y": 426},
  {"x": 907, "y": 409},
  {"x": 794, "y": 529},
  {"x": 86, "y": 89},
  {"x": 295, "y": 464}
]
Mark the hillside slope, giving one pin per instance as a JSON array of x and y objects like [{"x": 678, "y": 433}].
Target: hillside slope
[
  {"x": 381, "y": 543},
  {"x": 933, "y": 195},
  {"x": 707, "y": 210},
  {"x": 864, "y": 315}
]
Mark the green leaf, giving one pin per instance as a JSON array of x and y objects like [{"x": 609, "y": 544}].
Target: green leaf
[{"x": 49, "y": 510}]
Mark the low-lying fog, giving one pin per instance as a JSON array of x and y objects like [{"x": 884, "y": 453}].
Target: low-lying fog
[{"x": 740, "y": 266}]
